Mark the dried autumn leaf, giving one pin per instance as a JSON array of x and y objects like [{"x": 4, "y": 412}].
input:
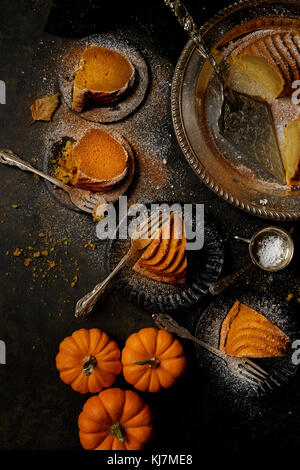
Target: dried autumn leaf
[{"x": 44, "y": 108}]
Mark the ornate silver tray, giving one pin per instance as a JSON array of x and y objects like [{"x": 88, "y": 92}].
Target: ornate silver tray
[{"x": 230, "y": 175}]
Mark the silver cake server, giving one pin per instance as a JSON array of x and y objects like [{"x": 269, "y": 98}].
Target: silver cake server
[{"x": 245, "y": 121}]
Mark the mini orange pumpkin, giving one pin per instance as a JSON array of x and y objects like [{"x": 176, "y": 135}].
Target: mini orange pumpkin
[
  {"x": 115, "y": 420},
  {"x": 88, "y": 360},
  {"x": 152, "y": 359}
]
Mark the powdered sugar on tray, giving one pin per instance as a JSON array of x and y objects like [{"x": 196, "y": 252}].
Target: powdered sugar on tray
[
  {"x": 283, "y": 111},
  {"x": 238, "y": 394}
]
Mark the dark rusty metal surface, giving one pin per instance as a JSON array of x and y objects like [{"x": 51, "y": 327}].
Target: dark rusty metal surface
[{"x": 37, "y": 410}]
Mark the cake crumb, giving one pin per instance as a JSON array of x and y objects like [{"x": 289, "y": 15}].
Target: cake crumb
[
  {"x": 90, "y": 244},
  {"x": 74, "y": 282},
  {"x": 18, "y": 252},
  {"x": 27, "y": 262},
  {"x": 44, "y": 108}
]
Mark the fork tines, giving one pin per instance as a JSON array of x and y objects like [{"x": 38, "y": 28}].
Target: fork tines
[
  {"x": 90, "y": 201},
  {"x": 254, "y": 374},
  {"x": 256, "y": 368},
  {"x": 151, "y": 226},
  {"x": 257, "y": 376}
]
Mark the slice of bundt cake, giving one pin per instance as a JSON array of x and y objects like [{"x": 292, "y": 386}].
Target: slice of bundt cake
[
  {"x": 97, "y": 162},
  {"x": 103, "y": 76},
  {"x": 291, "y": 156},
  {"x": 272, "y": 61},
  {"x": 165, "y": 258},
  {"x": 246, "y": 333}
]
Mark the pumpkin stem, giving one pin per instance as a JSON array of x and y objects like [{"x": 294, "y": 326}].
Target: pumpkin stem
[
  {"x": 153, "y": 363},
  {"x": 89, "y": 364},
  {"x": 118, "y": 430}
]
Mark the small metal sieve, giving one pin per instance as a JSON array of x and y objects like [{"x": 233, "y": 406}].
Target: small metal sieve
[
  {"x": 286, "y": 253},
  {"x": 256, "y": 244}
]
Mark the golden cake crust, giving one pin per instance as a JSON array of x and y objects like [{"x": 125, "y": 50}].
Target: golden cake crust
[
  {"x": 165, "y": 258},
  {"x": 246, "y": 333},
  {"x": 97, "y": 162},
  {"x": 103, "y": 76},
  {"x": 280, "y": 50}
]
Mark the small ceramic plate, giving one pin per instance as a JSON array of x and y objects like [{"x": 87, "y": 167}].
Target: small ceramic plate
[
  {"x": 115, "y": 111},
  {"x": 204, "y": 267},
  {"x": 49, "y": 167},
  {"x": 208, "y": 329}
]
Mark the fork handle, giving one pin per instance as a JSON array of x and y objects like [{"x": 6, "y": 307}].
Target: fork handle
[
  {"x": 217, "y": 287},
  {"x": 166, "y": 322},
  {"x": 87, "y": 302},
  {"x": 9, "y": 158}
]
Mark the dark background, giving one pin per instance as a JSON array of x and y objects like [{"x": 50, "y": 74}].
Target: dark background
[{"x": 38, "y": 411}]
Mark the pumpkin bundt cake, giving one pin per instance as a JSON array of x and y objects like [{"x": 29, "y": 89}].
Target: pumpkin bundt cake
[
  {"x": 103, "y": 76},
  {"x": 97, "y": 162},
  {"x": 165, "y": 258},
  {"x": 291, "y": 157},
  {"x": 272, "y": 61},
  {"x": 246, "y": 333}
]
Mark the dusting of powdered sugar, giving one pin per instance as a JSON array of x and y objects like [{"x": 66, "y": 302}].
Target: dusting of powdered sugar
[
  {"x": 270, "y": 251},
  {"x": 129, "y": 102},
  {"x": 148, "y": 131},
  {"x": 235, "y": 391}
]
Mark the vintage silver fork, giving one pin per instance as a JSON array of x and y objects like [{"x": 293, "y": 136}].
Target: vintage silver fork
[
  {"x": 80, "y": 198},
  {"x": 241, "y": 367},
  {"x": 144, "y": 234}
]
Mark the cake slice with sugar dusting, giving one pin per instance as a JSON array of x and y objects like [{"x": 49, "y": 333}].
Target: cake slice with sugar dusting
[
  {"x": 165, "y": 258},
  {"x": 102, "y": 76},
  {"x": 246, "y": 333},
  {"x": 97, "y": 162}
]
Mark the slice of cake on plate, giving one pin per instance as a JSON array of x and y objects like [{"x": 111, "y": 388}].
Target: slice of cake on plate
[
  {"x": 165, "y": 258},
  {"x": 246, "y": 333},
  {"x": 102, "y": 76},
  {"x": 97, "y": 162}
]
